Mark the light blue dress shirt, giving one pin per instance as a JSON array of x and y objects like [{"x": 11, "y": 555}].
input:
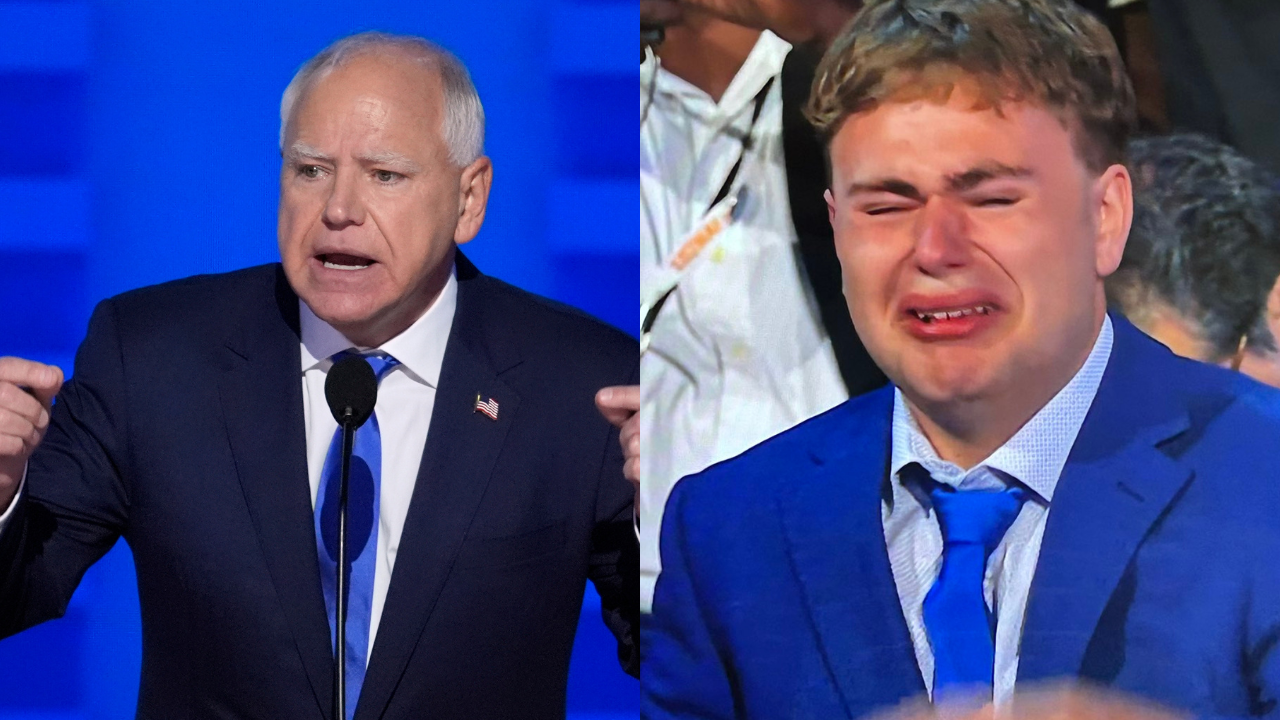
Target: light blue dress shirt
[{"x": 1033, "y": 457}]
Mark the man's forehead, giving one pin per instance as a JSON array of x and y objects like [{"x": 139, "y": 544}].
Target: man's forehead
[
  {"x": 988, "y": 101},
  {"x": 965, "y": 166},
  {"x": 365, "y": 115},
  {"x": 942, "y": 144},
  {"x": 376, "y": 84}
]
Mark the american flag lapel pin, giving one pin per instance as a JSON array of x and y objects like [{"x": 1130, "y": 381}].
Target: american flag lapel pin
[{"x": 488, "y": 407}]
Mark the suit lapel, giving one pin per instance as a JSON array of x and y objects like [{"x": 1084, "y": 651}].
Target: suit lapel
[
  {"x": 461, "y": 450},
  {"x": 261, "y": 394},
  {"x": 831, "y": 519},
  {"x": 1115, "y": 486}
]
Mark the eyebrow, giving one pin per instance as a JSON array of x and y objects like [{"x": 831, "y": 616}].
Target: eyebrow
[
  {"x": 390, "y": 158},
  {"x": 969, "y": 179},
  {"x": 303, "y": 151},
  {"x": 956, "y": 182},
  {"x": 893, "y": 186}
]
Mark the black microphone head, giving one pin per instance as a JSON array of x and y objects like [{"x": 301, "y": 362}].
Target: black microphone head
[{"x": 351, "y": 390}]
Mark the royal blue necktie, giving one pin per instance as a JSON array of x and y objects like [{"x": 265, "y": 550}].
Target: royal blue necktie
[
  {"x": 961, "y": 627},
  {"x": 363, "y": 489}
]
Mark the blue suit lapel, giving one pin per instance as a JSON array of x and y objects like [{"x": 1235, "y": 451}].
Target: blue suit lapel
[
  {"x": 831, "y": 520},
  {"x": 1114, "y": 488},
  {"x": 461, "y": 451},
  {"x": 261, "y": 394}
]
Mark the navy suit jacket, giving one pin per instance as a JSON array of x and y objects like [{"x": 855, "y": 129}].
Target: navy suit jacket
[
  {"x": 182, "y": 431},
  {"x": 1159, "y": 573}
]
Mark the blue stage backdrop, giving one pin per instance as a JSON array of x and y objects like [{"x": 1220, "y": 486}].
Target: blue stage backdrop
[{"x": 138, "y": 144}]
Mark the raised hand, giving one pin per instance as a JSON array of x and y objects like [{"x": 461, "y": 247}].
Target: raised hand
[
  {"x": 620, "y": 405},
  {"x": 27, "y": 389}
]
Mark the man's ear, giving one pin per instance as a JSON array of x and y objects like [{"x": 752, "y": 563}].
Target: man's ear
[
  {"x": 473, "y": 198},
  {"x": 1114, "y": 207}
]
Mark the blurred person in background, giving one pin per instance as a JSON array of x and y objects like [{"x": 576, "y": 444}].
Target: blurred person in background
[
  {"x": 752, "y": 335},
  {"x": 1200, "y": 269}
]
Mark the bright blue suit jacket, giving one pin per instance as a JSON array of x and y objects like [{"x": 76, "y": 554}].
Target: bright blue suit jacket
[{"x": 1159, "y": 573}]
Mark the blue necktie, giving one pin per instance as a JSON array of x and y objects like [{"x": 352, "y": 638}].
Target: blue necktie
[
  {"x": 960, "y": 626},
  {"x": 364, "y": 487}
]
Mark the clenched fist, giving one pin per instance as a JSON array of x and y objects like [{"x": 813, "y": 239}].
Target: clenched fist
[{"x": 26, "y": 399}]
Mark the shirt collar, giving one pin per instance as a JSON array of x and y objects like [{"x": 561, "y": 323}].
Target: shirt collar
[
  {"x": 1036, "y": 454},
  {"x": 420, "y": 348},
  {"x": 763, "y": 62}
]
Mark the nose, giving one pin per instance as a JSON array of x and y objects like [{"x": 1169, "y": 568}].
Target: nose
[
  {"x": 344, "y": 206},
  {"x": 941, "y": 237}
]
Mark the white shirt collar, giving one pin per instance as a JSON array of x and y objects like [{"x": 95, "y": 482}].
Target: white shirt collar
[
  {"x": 763, "y": 62},
  {"x": 420, "y": 348},
  {"x": 1036, "y": 454}
]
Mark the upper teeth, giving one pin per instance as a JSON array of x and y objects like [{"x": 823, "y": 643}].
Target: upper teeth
[{"x": 952, "y": 314}]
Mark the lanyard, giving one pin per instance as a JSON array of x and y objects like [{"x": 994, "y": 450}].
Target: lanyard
[{"x": 719, "y": 216}]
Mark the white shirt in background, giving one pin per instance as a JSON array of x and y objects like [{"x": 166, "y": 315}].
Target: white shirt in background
[{"x": 738, "y": 353}]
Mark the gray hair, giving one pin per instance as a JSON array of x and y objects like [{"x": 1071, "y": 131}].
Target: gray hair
[
  {"x": 1205, "y": 240},
  {"x": 463, "y": 125}
]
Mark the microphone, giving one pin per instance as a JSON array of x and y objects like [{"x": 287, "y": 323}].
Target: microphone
[{"x": 351, "y": 389}]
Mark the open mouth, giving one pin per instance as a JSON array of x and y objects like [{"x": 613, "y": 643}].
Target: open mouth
[
  {"x": 932, "y": 316},
  {"x": 342, "y": 261}
]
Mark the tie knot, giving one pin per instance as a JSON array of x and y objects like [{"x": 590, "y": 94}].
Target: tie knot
[
  {"x": 976, "y": 517},
  {"x": 968, "y": 517},
  {"x": 381, "y": 362}
]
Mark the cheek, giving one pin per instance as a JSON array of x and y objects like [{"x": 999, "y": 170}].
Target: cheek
[
  {"x": 1042, "y": 253},
  {"x": 289, "y": 229},
  {"x": 868, "y": 257},
  {"x": 298, "y": 209},
  {"x": 410, "y": 229},
  {"x": 866, "y": 272}
]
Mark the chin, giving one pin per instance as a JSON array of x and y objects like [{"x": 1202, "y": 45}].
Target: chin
[
  {"x": 342, "y": 311},
  {"x": 944, "y": 384}
]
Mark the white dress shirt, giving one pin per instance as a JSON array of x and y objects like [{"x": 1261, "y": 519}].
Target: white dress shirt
[
  {"x": 1034, "y": 458},
  {"x": 406, "y": 396},
  {"x": 738, "y": 353}
]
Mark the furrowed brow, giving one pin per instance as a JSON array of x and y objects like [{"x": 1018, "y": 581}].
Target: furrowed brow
[
  {"x": 972, "y": 178},
  {"x": 392, "y": 159},
  {"x": 303, "y": 151},
  {"x": 893, "y": 186}
]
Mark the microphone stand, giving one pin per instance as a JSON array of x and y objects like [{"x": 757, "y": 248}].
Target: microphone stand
[{"x": 340, "y": 669}]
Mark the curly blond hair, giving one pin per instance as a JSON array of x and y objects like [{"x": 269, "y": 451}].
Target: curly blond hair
[{"x": 1052, "y": 53}]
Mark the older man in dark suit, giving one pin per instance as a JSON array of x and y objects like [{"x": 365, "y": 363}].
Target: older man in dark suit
[{"x": 196, "y": 427}]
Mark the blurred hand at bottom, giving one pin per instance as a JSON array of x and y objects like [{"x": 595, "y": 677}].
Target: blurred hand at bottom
[{"x": 1044, "y": 702}]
